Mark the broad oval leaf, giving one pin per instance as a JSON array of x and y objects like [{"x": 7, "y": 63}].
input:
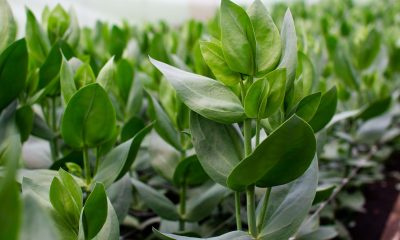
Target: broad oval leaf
[
  {"x": 237, "y": 38},
  {"x": 277, "y": 89},
  {"x": 89, "y": 119},
  {"x": 289, "y": 204},
  {"x": 235, "y": 235},
  {"x": 107, "y": 75},
  {"x": 94, "y": 213},
  {"x": 282, "y": 157},
  {"x": 308, "y": 106},
  {"x": 256, "y": 98},
  {"x": 219, "y": 147},
  {"x": 203, "y": 95},
  {"x": 189, "y": 172},
  {"x": 269, "y": 45},
  {"x": 156, "y": 201},
  {"x": 326, "y": 110},
  {"x": 13, "y": 72}
]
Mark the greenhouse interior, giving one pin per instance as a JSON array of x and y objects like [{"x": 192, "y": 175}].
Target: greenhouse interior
[{"x": 200, "y": 119}]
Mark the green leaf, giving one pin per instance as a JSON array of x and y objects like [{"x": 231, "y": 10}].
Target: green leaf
[
  {"x": 345, "y": 70},
  {"x": 107, "y": 75},
  {"x": 219, "y": 147},
  {"x": 89, "y": 119},
  {"x": 24, "y": 118},
  {"x": 37, "y": 41},
  {"x": 279, "y": 159},
  {"x": 200, "y": 206},
  {"x": 190, "y": 172},
  {"x": 323, "y": 193},
  {"x": 375, "y": 108},
  {"x": 73, "y": 33},
  {"x": 277, "y": 87},
  {"x": 269, "y": 46},
  {"x": 289, "y": 204},
  {"x": 237, "y": 38},
  {"x": 67, "y": 83},
  {"x": 84, "y": 75},
  {"x": 368, "y": 49},
  {"x": 305, "y": 71},
  {"x": 308, "y": 106},
  {"x": 156, "y": 201},
  {"x": 214, "y": 58},
  {"x": 94, "y": 213},
  {"x": 289, "y": 49},
  {"x": 235, "y": 235},
  {"x": 41, "y": 129},
  {"x": 163, "y": 124},
  {"x": 133, "y": 126},
  {"x": 12, "y": 82},
  {"x": 256, "y": 98},
  {"x": 203, "y": 95},
  {"x": 121, "y": 197},
  {"x": 57, "y": 23},
  {"x": 8, "y": 26},
  {"x": 119, "y": 160},
  {"x": 326, "y": 110}
]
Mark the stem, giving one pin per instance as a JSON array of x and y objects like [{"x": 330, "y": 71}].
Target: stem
[
  {"x": 182, "y": 207},
  {"x": 261, "y": 218},
  {"x": 237, "y": 211},
  {"x": 97, "y": 161},
  {"x": 258, "y": 130},
  {"x": 251, "y": 210},
  {"x": 86, "y": 165},
  {"x": 247, "y": 137}
]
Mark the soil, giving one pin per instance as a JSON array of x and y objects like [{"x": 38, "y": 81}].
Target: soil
[{"x": 381, "y": 197}]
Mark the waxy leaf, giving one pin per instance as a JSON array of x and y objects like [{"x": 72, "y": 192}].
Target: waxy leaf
[
  {"x": 305, "y": 71},
  {"x": 308, "y": 106},
  {"x": 256, "y": 98},
  {"x": 219, "y": 147},
  {"x": 107, "y": 75},
  {"x": 237, "y": 38},
  {"x": 267, "y": 36},
  {"x": 119, "y": 160},
  {"x": 235, "y": 235},
  {"x": 323, "y": 193},
  {"x": 8, "y": 26},
  {"x": 67, "y": 83},
  {"x": 289, "y": 204},
  {"x": 203, "y": 95},
  {"x": 189, "y": 172},
  {"x": 326, "y": 110},
  {"x": 13, "y": 72},
  {"x": 289, "y": 49},
  {"x": 37, "y": 41},
  {"x": 89, "y": 119},
  {"x": 57, "y": 23},
  {"x": 156, "y": 201},
  {"x": 214, "y": 58},
  {"x": 277, "y": 87},
  {"x": 282, "y": 157}
]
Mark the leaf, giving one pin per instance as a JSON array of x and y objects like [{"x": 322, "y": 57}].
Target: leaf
[
  {"x": 289, "y": 204},
  {"x": 67, "y": 83},
  {"x": 203, "y": 95},
  {"x": 189, "y": 172},
  {"x": 84, "y": 75},
  {"x": 41, "y": 129},
  {"x": 219, "y": 147},
  {"x": 24, "y": 118},
  {"x": 278, "y": 159},
  {"x": 369, "y": 49},
  {"x": 322, "y": 233},
  {"x": 12, "y": 82},
  {"x": 119, "y": 160},
  {"x": 89, "y": 119},
  {"x": 94, "y": 213},
  {"x": 107, "y": 75},
  {"x": 277, "y": 87},
  {"x": 235, "y": 235},
  {"x": 323, "y": 193},
  {"x": 308, "y": 106},
  {"x": 237, "y": 38},
  {"x": 8, "y": 26},
  {"x": 289, "y": 49},
  {"x": 345, "y": 70},
  {"x": 269, "y": 46},
  {"x": 57, "y": 23},
  {"x": 326, "y": 110},
  {"x": 305, "y": 71},
  {"x": 163, "y": 124},
  {"x": 121, "y": 197},
  {"x": 256, "y": 99},
  {"x": 156, "y": 201},
  {"x": 375, "y": 108},
  {"x": 214, "y": 58},
  {"x": 133, "y": 126},
  {"x": 73, "y": 33},
  {"x": 110, "y": 229},
  {"x": 37, "y": 41},
  {"x": 199, "y": 207}
]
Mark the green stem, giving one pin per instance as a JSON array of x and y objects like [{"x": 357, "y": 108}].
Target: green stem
[
  {"x": 264, "y": 207},
  {"x": 86, "y": 165},
  {"x": 258, "y": 130},
  {"x": 182, "y": 207},
  {"x": 251, "y": 210},
  {"x": 237, "y": 211},
  {"x": 97, "y": 161}
]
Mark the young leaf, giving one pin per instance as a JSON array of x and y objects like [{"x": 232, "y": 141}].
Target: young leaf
[
  {"x": 219, "y": 147},
  {"x": 57, "y": 23},
  {"x": 277, "y": 87},
  {"x": 256, "y": 98},
  {"x": 37, "y": 41},
  {"x": 119, "y": 160},
  {"x": 8, "y": 26},
  {"x": 305, "y": 72},
  {"x": 325, "y": 111},
  {"x": 67, "y": 82},
  {"x": 203, "y": 95},
  {"x": 375, "y": 108},
  {"x": 84, "y": 75},
  {"x": 278, "y": 159},
  {"x": 12, "y": 82},
  {"x": 289, "y": 49},
  {"x": 24, "y": 118},
  {"x": 214, "y": 58},
  {"x": 235, "y": 235},
  {"x": 190, "y": 172},
  {"x": 156, "y": 201},
  {"x": 106, "y": 77},
  {"x": 237, "y": 38},
  {"x": 73, "y": 33},
  {"x": 308, "y": 106},
  {"x": 289, "y": 204},
  {"x": 267, "y": 36},
  {"x": 345, "y": 70},
  {"x": 89, "y": 119}
]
